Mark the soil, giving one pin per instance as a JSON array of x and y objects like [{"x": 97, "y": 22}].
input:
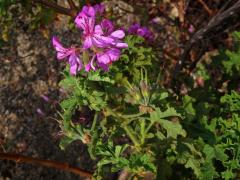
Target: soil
[{"x": 29, "y": 96}]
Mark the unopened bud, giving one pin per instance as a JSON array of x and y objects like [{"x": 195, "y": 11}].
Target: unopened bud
[
  {"x": 136, "y": 94},
  {"x": 144, "y": 89},
  {"x": 145, "y": 109}
]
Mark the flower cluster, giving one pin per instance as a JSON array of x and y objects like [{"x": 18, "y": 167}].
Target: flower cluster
[
  {"x": 141, "y": 31},
  {"x": 101, "y": 44}
]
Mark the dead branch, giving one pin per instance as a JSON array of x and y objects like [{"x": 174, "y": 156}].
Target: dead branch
[
  {"x": 57, "y": 8},
  {"x": 72, "y": 5},
  {"x": 206, "y": 8}
]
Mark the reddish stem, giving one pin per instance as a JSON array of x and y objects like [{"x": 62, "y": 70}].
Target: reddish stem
[{"x": 48, "y": 163}]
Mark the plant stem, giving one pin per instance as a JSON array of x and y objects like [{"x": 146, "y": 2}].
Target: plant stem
[
  {"x": 149, "y": 127},
  {"x": 130, "y": 134},
  {"x": 94, "y": 121},
  {"x": 43, "y": 162},
  {"x": 127, "y": 129}
]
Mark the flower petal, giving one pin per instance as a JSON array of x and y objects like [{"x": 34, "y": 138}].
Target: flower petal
[
  {"x": 103, "y": 66},
  {"x": 73, "y": 69},
  {"x": 98, "y": 30},
  {"x": 142, "y": 31},
  {"x": 114, "y": 54},
  {"x": 61, "y": 51},
  {"x": 102, "y": 41},
  {"x": 57, "y": 45},
  {"x": 87, "y": 42},
  {"x": 87, "y": 67},
  {"x": 91, "y": 63},
  {"x": 133, "y": 29},
  {"x": 119, "y": 34},
  {"x": 75, "y": 63},
  {"x": 72, "y": 59},
  {"x": 62, "y": 55},
  {"x": 107, "y": 26},
  {"x": 80, "y": 20},
  {"x": 89, "y": 11},
  {"x": 103, "y": 58},
  {"x": 84, "y": 22},
  {"x": 99, "y": 8},
  {"x": 121, "y": 45}
]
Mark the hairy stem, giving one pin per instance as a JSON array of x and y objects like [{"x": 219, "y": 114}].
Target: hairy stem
[
  {"x": 94, "y": 121},
  {"x": 130, "y": 134},
  {"x": 124, "y": 123}
]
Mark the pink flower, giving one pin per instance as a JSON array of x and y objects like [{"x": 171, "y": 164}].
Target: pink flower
[
  {"x": 111, "y": 52},
  {"x": 101, "y": 42},
  {"x": 107, "y": 29},
  {"x": 72, "y": 54},
  {"x": 85, "y": 20},
  {"x": 108, "y": 56},
  {"x": 133, "y": 29},
  {"x": 141, "y": 31},
  {"x": 103, "y": 37}
]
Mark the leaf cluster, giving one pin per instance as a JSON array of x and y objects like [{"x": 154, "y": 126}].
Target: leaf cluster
[{"x": 141, "y": 128}]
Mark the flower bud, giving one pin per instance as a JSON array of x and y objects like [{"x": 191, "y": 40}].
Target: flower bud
[
  {"x": 144, "y": 89},
  {"x": 136, "y": 94}
]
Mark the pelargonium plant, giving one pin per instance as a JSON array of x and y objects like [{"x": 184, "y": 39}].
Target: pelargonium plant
[
  {"x": 102, "y": 92},
  {"x": 130, "y": 124},
  {"x": 124, "y": 113}
]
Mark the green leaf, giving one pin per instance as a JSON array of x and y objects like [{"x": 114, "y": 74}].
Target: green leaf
[
  {"x": 68, "y": 103},
  {"x": 232, "y": 101},
  {"x": 194, "y": 165},
  {"x": 97, "y": 77},
  {"x": 173, "y": 129},
  {"x": 228, "y": 174},
  {"x": 220, "y": 153},
  {"x": 208, "y": 171},
  {"x": 188, "y": 106},
  {"x": 158, "y": 114},
  {"x": 69, "y": 82},
  {"x": 160, "y": 135},
  {"x": 214, "y": 152},
  {"x": 163, "y": 95}
]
